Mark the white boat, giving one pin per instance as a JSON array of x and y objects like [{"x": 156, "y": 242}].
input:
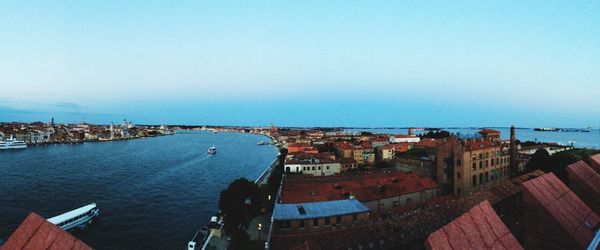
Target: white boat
[
  {"x": 12, "y": 144},
  {"x": 212, "y": 150},
  {"x": 77, "y": 218}
]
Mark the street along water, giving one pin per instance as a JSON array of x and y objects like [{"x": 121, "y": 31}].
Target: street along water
[{"x": 153, "y": 193}]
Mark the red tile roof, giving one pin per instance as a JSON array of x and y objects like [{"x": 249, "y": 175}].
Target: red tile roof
[
  {"x": 585, "y": 175},
  {"x": 478, "y": 144},
  {"x": 37, "y": 233},
  {"x": 479, "y": 228},
  {"x": 595, "y": 162},
  {"x": 564, "y": 208},
  {"x": 365, "y": 187}
]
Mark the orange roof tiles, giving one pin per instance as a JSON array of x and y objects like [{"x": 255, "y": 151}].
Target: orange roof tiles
[
  {"x": 595, "y": 162},
  {"x": 478, "y": 144},
  {"x": 585, "y": 175},
  {"x": 37, "y": 233},
  {"x": 368, "y": 186},
  {"x": 563, "y": 207},
  {"x": 479, "y": 228}
]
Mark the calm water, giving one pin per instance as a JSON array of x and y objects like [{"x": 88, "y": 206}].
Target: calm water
[
  {"x": 579, "y": 139},
  {"x": 152, "y": 193}
]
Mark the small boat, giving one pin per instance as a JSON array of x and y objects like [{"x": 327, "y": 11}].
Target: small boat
[
  {"x": 263, "y": 143},
  {"x": 77, "y": 218},
  {"x": 212, "y": 150},
  {"x": 12, "y": 143}
]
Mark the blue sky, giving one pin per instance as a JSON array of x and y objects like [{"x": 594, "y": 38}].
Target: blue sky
[{"x": 302, "y": 63}]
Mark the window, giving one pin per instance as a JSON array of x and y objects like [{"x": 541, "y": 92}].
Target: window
[
  {"x": 480, "y": 155},
  {"x": 327, "y": 167},
  {"x": 287, "y": 224},
  {"x": 492, "y": 162},
  {"x": 338, "y": 220},
  {"x": 457, "y": 175},
  {"x": 327, "y": 221},
  {"x": 481, "y": 179},
  {"x": 487, "y": 176},
  {"x": 480, "y": 164},
  {"x": 354, "y": 217},
  {"x": 319, "y": 167},
  {"x": 458, "y": 162},
  {"x": 474, "y": 166},
  {"x": 301, "y": 223},
  {"x": 457, "y": 190},
  {"x": 474, "y": 180},
  {"x": 315, "y": 222},
  {"x": 313, "y": 168}
]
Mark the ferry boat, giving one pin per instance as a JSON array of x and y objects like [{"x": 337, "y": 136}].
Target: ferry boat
[
  {"x": 77, "y": 218},
  {"x": 212, "y": 150},
  {"x": 12, "y": 144}
]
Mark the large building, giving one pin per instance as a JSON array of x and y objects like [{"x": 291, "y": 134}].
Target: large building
[
  {"x": 317, "y": 216},
  {"x": 312, "y": 164},
  {"x": 378, "y": 190},
  {"x": 480, "y": 163}
]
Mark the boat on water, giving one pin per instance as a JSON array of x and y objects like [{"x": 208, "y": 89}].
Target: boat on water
[
  {"x": 263, "y": 143},
  {"x": 77, "y": 218},
  {"x": 12, "y": 143},
  {"x": 212, "y": 150}
]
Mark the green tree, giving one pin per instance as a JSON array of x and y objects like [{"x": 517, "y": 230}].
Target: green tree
[
  {"x": 239, "y": 203},
  {"x": 539, "y": 160},
  {"x": 382, "y": 164}
]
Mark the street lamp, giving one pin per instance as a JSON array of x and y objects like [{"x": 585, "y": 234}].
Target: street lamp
[{"x": 259, "y": 229}]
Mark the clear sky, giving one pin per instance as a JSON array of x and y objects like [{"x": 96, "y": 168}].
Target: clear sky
[{"x": 302, "y": 63}]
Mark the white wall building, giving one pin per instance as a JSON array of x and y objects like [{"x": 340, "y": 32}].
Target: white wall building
[{"x": 404, "y": 138}]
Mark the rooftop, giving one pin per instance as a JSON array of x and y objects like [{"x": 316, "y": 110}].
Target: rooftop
[
  {"x": 365, "y": 186},
  {"x": 585, "y": 175},
  {"x": 479, "y": 228},
  {"x": 37, "y": 233},
  {"x": 563, "y": 207},
  {"x": 317, "y": 209}
]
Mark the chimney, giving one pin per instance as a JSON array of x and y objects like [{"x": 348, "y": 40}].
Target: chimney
[{"x": 513, "y": 151}]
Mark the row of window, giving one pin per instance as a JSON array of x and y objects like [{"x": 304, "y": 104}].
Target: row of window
[
  {"x": 493, "y": 162},
  {"x": 487, "y": 154},
  {"x": 484, "y": 178},
  {"x": 313, "y": 168},
  {"x": 315, "y": 222},
  {"x": 74, "y": 219}
]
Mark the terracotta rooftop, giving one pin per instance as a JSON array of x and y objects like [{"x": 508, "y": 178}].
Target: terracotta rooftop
[
  {"x": 564, "y": 208},
  {"x": 367, "y": 186},
  {"x": 479, "y": 228},
  {"x": 37, "y": 233},
  {"x": 478, "y": 144},
  {"x": 585, "y": 175},
  {"x": 595, "y": 162}
]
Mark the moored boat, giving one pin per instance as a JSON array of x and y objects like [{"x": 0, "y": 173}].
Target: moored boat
[
  {"x": 12, "y": 143},
  {"x": 77, "y": 218}
]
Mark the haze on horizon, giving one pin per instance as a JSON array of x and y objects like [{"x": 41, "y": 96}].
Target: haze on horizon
[{"x": 306, "y": 63}]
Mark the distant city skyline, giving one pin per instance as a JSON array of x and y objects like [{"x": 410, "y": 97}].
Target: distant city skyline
[{"x": 351, "y": 63}]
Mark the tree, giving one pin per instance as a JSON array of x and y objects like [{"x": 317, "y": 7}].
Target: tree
[
  {"x": 239, "y": 203},
  {"x": 539, "y": 160},
  {"x": 436, "y": 134},
  {"x": 382, "y": 164}
]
